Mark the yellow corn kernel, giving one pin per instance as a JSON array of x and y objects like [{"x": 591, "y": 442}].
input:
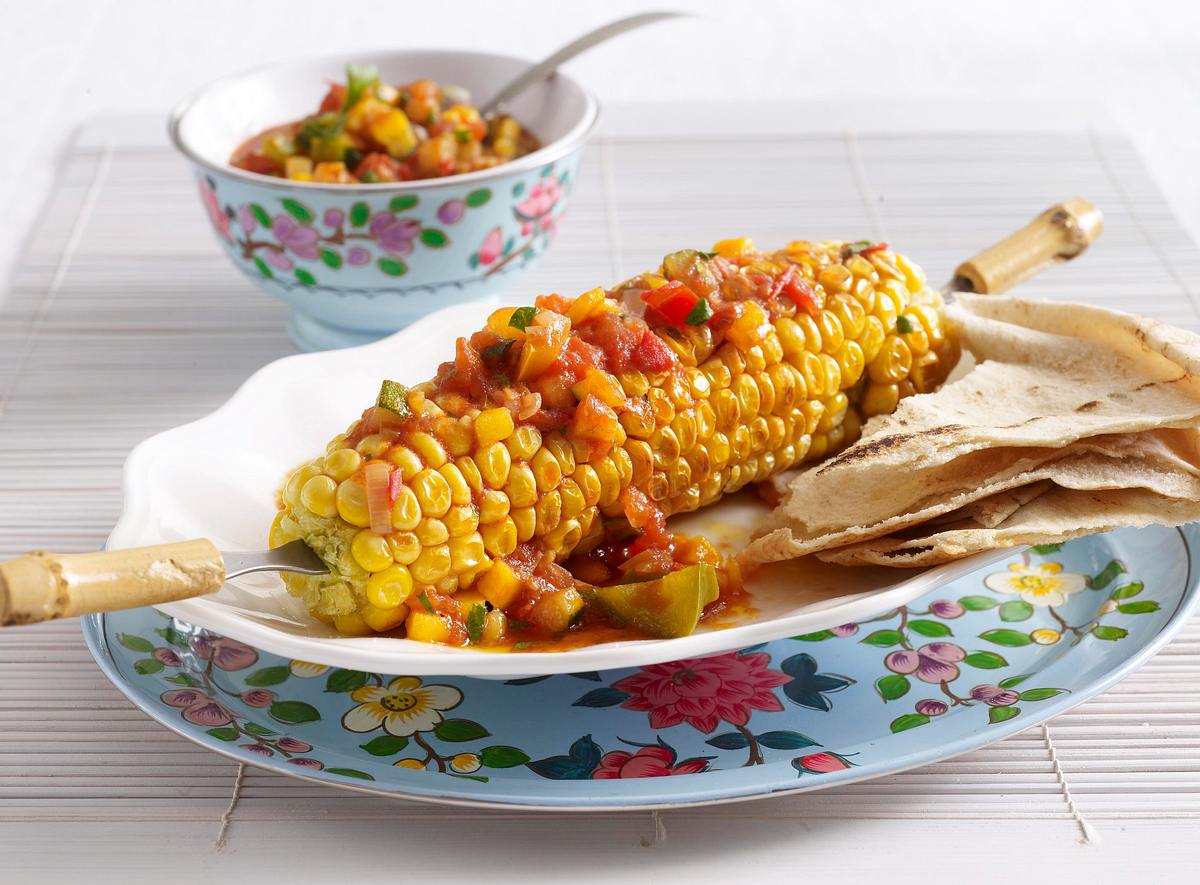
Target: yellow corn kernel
[
  {"x": 406, "y": 461},
  {"x": 524, "y": 441},
  {"x": 832, "y": 372},
  {"x": 589, "y": 483},
  {"x": 390, "y": 587},
  {"x": 522, "y": 486},
  {"x": 892, "y": 363},
  {"x": 461, "y": 519},
  {"x": 351, "y": 625},
  {"x": 851, "y": 316},
  {"x": 382, "y": 620},
  {"x": 371, "y": 551},
  {"x": 610, "y": 482},
  {"x": 813, "y": 371},
  {"x": 406, "y": 510},
  {"x": 706, "y": 421},
  {"x": 887, "y": 308},
  {"x": 432, "y": 491},
  {"x": 499, "y": 585},
  {"x": 748, "y": 329},
  {"x": 432, "y": 565},
  {"x": 470, "y": 473},
  {"x": 601, "y": 385},
  {"x": 573, "y": 502},
  {"x": 717, "y": 373},
  {"x": 525, "y": 519},
  {"x": 914, "y": 277},
  {"x": 352, "y": 503},
  {"x": 500, "y": 538},
  {"x": 428, "y": 449},
  {"x": 460, "y": 492},
  {"x": 634, "y": 383},
  {"x": 495, "y": 625},
  {"x": 879, "y": 399},
  {"x": 431, "y": 532},
  {"x": 547, "y": 472},
  {"x": 734, "y": 247},
  {"x": 298, "y": 168},
  {"x": 467, "y": 553},
  {"x": 565, "y": 538},
  {"x": 405, "y": 547},
  {"x": 835, "y": 278},
  {"x": 813, "y": 410},
  {"x": 494, "y": 464},
  {"x": 783, "y": 386},
  {"x": 342, "y": 464},
  {"x": 591, "y": 303},
  {"x": 719, "y": 451},
  {"x": 835, "y": 411},
  {"x": 549, "y": 512},
  {"x": 493, "y": 506},
  {"x": 872, "y": 338},
  {"x": 493, "y": 426},
  {"x": 771, "y": 348},
  {"x": 319, "y": 494},
  {"x": 748, "y": 397},
  {"x": 850, "y": 363},
  {"x": 455, "y": 436},
  {"x": 424, "y": 626}
]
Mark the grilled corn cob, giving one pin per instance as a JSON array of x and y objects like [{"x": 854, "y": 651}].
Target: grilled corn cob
[{"x": 657, "y": 397}]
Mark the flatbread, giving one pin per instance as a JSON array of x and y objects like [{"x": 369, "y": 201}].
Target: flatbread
[{"x": 1032, "y": 394}]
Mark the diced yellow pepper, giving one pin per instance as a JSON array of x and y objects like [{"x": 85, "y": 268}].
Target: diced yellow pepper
[
  {"x": 492, "y": 426},
  {"x": 498, "y": 323},
  {"x": 298, "y": 168},
  {"x": 734, "y": 247},
  {"x": 591, "y": 303},
  {"x": 426, "y": 626},
  {"x": 394, "y": 132},
  {"x": 366, "y": 111},
  {"x": 601, "y": 385},
  {"x": 499, "y": 585},
  {"x": 332, "y": 173}
]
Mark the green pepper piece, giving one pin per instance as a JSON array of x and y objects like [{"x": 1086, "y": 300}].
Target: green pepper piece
[
  {"x": 393, "y": 396},
  {"x": 665, "y": 608}
]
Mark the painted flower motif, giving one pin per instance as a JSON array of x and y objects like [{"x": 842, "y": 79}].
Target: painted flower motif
[
  {"x": 279, "y": 260},
  {"x": 403, "y": 707},
  {"x": 537, "y": 205},
  {"x": 704, "y": 691},
  {"x": 306, "y": 762},
  {"x": 225, "y": 654},
  {"x": 934, "y": 662},
  {"x": 333, "y": 217},
  {"x": 167, "y": 656},
  {"x": 946, "y": 608},
  {"x": 292, "y": 745},
  {"x": 198, "y": 708},
  {"x": 258, "y": 697},
  {"x": 212, "y": 204},
  {"x": 258, "y": 749},
  {"x": 820, "y": 763},
  {"x": 465, "y": 763},
  {"x": 414, "y": 764},
  {"x": 646, "y": 762},
  {"x": 358, "y": 256},
  {"x": 1043, "y": 585},
  {"x": 394, "y": 235},
  {"x": 307, "y": 669},
  {"x": 1045, "y": 636},
  {"x": 995, "y": 696},
  {"x": 298, "y": 239},
  {"x": 844, "y": 630},
  {"x": 247, "y": 220},
  {"x": 931, "y": 707},
  {"x": 491, "y": 247},
  {"x": 451, "y": 211}
]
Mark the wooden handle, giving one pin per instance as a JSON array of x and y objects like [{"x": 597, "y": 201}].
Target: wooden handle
[
  {"x": 1057, "y": 235},
  {"x": 42, "y": 586}
]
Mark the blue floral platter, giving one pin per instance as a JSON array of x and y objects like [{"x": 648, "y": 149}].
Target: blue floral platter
[{"x": 980, "y": 658}]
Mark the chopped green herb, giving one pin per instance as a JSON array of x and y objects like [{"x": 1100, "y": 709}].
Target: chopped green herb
[
  {"x": 352, "y": 157},
  {"x": 493, "y": 353},
  {"x": 393, "y": 396},
  {"x": 475, "y": 621},
  {"x": 521, "y": 646},
  {"x": 904, "y": 325},
  {"x": 462, "y": 135},
  {"x": 855, "y": 247},
  {"x": 369, "y": 177},
  {"x": 423, "y": 598},
  {"x": 320, "y": 126},
  {"x": 358, "y": 79},
  {"x": 707, "y": 255},
  {"x": 700, "y": 314},
  {"x": 522, "y": 317}
]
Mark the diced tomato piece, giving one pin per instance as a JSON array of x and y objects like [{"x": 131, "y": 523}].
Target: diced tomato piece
[
  {"x": 557, "y": 303},
  {"x": 260, "y": 164},
  {"x": 471, "y": 376},
  {"x": 334, "y": 98},
  {"x": 616, "y": 338},
  {"x": 384, "y": 168},
  {"x": 674, "y": 302},
  {"x": 797, "y": 289},
  {"x": 652, "y": 354},
  {"x": 594, "y": 420}
]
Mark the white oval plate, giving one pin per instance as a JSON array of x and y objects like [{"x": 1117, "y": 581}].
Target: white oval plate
[{"x": 217, "y": 477}]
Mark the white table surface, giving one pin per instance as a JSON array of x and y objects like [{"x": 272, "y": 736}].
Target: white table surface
[{"x": 121, "y": 273}]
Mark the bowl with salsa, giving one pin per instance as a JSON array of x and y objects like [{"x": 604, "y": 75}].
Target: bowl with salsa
[{"x": 368, "y": 194}]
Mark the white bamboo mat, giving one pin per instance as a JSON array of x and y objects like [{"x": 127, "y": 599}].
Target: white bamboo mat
[{"x": 123, "y": 319}]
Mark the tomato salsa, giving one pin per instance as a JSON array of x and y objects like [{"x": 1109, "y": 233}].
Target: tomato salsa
[{"x": 367, "y": 131}]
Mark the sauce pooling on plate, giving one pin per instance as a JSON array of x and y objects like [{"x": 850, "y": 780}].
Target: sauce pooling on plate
[{"x": 367, "y": 131}]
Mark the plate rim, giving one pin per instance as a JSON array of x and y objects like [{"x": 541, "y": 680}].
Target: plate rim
[{"x": 92, "y": 627}]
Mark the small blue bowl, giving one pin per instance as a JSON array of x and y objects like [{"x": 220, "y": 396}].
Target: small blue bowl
[{"x": 358, "y": 262}]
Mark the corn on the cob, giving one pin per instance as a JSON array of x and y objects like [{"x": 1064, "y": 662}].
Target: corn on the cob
[{"x": 556, "y": 420}]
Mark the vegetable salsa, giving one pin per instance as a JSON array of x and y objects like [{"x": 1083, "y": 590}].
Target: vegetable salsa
[{"x": 367, "y": 131}]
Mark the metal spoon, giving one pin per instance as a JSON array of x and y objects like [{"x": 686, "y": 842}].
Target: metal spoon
[{"x": 547, "y": 67}]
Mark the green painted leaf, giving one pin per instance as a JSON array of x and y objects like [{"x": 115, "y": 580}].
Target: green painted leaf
[
  {"x": 184, "y": 679},
  {"x": 403, "y": 203},
  {"x": 1011, "y": 638},
  {"x": 305, "y": 277},
  {"x": 477, "y": 198},
  {"x": 892, "y": 687},
  {"x": 460, "y": 730},
  {"x": 518, "y": 189},
  {"x": 1016, "y": 610},
  {"x": 1107, "y": 575},
  {"x": 473, "y": 261},
  {"x": 146, "y": 666},
  {"x": 345, "y": 680},
  {"x": 260, "y": 730},
  {"x": 350, "y": 772},
  {"x": 268, "y": 676},
  {"x": 392, "y": 267},
  {"x": 360, "y": 213},
  {"x": 910, "y": 720},
  {"x": 1142, "y": 607},
  {"x": 434, "y": 238},
  {"x": 1128, "y": 591},
  {"x": 819, "y": 636},
  {"x": 1002, "y": 714},
  {"x": 985, "y": 660},
  {"x": 501, "y": 756},
  {"x": 977, "y": 603},
  {"x": 929, "y": 628},
  {"x": 294, "y": 712},
  {"x": 1112, "y": 634},
  {"x": 385, "y": 745},
  {"x": 224, "y": 734},
  {"x": 331, "y": 258},
  {"x": 468, "y": 777},
  {"x": 1041, "y": 694},
  {"x": 262, "y": 267},
  {"x": 135, "y": 643},
  {"x": 297, "y": 210},
  {"x": 260, "y": 214},
  {"x": 1043, "y": 549},
  {"x": 173, "y": 637},
  {"x": 882, "y": 638},
  {"x": 1012, "y": 681}
]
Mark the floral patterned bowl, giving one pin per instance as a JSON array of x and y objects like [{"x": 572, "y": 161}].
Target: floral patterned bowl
[{"x": 358, "y": 262}]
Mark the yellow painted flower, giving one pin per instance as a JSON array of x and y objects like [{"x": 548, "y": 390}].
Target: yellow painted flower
[
  {"x": 465, "y": 763},
  {"x": 1045, "y": 636},
  {"x": 307, "y": 669},
  {"x": 1042, "y": 585},
  {"x": 402, "y": 707},
  {"x": 415, "y": 764}
]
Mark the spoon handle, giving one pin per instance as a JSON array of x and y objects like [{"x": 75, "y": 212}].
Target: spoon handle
[{"x": 547, "y": 67}]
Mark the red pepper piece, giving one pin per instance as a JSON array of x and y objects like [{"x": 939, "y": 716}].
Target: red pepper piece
[{"x": 673, "y": 302}]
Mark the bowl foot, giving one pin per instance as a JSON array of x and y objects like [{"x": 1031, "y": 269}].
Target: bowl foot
[{"x": 311, "y": 334}]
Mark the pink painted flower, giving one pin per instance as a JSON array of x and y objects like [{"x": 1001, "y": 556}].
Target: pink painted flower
[
  {"x": 333, "y": 217},
  {"x": 167, "y": 656},
  {"x": 357, "y": 256},
  {"x": 247, "y": 220},
  {"x": 844, "y": 630},
  {"x": 279, "y": 260},
  {"x": 394, "y": 235},
  {"x": 821, "y": 763},
  {"x": 258, "y": 697},
  {"x": 491, "y": 247},
  {"x": 930, "y": 707},
  {"x": 995, "y": 696},
  {"x": 212, "y": 204},
  {"x": 226, "y": 654},
  {"x": 933, "y": 663},
  {"x": 305, "y": 762},
  {"x": 541, "y": 199},
  {"x": 292, "y": 745},
  {"x": 259, "y": 749},
  {"x": 451, "y": 211},
  {"x": 296, "y": 238},
  {"x": 198, "y": 708},
  {"x": 646, "y": 762},
  {"x": 704, "y": 691},
  {"x": 947, "y": 608}
]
